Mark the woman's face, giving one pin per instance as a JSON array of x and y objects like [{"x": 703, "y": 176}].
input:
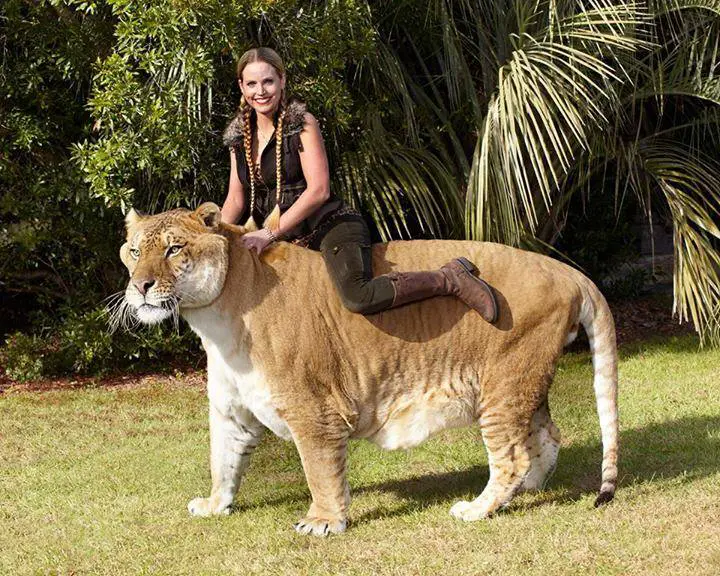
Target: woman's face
[{"x": 262, "y": 87}]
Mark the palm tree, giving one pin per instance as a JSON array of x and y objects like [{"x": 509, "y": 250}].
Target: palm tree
[{"x": 529, "y": 103}]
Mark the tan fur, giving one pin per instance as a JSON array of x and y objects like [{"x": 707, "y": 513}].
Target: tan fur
[{"x": 284, "y": 353}]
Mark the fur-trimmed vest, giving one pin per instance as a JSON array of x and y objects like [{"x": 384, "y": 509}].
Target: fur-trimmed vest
[
  {"x": 293, "y": 179},
  {"x": 293, "y": 124}
]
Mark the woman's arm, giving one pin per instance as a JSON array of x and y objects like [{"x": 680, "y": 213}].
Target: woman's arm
[
  {"x": 314, "y": 164},
  {"x": 235, "y": 201}
]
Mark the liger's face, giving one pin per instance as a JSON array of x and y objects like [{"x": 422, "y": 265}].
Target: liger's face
[
  {"x": 262, "y": 87},
  {"x": 175, "y": 259}
]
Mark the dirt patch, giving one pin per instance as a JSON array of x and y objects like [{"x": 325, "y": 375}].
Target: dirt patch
[
  {"x": 187, "y": 378},
  {"x": 643, "y": 319},
  {"x": 647, "y": 318}
]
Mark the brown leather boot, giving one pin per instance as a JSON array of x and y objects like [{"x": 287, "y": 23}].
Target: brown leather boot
[{"x": 456, "y": 278}]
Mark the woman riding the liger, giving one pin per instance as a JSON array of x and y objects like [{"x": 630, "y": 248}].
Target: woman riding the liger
[{"x": 280, "y": 176}]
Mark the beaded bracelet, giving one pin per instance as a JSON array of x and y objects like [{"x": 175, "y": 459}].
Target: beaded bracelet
[{"x": 270, "y": 234}]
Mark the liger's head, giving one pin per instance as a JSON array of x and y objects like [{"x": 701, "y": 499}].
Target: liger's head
[{"x": 176, "y": 260}]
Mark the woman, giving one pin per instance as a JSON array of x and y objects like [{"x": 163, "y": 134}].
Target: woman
[{"x": 279, "y": 175}]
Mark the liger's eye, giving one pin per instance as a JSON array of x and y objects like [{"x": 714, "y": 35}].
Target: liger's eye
[
  {"x": 174, "y": 249},
  {"x": 135, "y": 253}
]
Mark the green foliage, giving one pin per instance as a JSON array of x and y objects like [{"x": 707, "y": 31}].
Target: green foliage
[
  {"x": 54, "y": 248},
  {"x": 83, "y": 345},
  {"x": 162, "y": 96},
  {"x": 627, "y": 285},
  {"x": 24, "y": 357},
  {"x": 602, "y": 239},
  {"x": 602, "y": 235},
  {"x": 92, "y": 349}
]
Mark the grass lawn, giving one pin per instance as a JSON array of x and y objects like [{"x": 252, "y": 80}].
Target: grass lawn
[{"x": 95, "y": 481}]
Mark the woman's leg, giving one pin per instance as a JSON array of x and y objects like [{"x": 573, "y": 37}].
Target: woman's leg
[
  {"x": 456, "y": 278},
  {"x": 347, "y": 253},
  {"x": 348, "y": 257}
]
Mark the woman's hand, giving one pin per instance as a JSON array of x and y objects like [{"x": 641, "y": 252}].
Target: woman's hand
[{"x": 258, "y": 240}]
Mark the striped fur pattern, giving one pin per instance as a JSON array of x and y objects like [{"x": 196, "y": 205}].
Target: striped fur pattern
[
  {"x": 284, "y": 354},
  {"x": 600, "y": 328}
]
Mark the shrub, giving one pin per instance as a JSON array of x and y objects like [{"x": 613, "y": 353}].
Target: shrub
[
  {"x": 24, "y": 357},
  {"x": 84, "y": 345}
]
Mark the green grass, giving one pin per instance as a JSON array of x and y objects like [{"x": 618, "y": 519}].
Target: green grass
[{"x": 96, "y": 481}]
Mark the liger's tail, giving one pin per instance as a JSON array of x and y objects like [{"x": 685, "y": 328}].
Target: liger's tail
[{"x": 598, "y": 322}]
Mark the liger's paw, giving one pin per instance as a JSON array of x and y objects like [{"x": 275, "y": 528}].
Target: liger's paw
[
  {"x": 206, "y": 507},
  {"x": 533, "y": 482},
  {"x": 320, "y": 526},
  {"x": 469, "y": 511}
]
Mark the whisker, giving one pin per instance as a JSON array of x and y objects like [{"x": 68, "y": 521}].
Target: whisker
[
  {"x": 175, "y": 310},
  {"x": 114, "y": 296},
  {"x": 113, "y": 310},
  {"x": 117, "y": 317},
  {"x": 127, "y": 317},
  {"x": 113, "y": 317}
]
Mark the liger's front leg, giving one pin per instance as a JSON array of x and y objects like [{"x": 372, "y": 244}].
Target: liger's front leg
[
  {"x": 323, "y": 452},
  {"x": 234, "y": 435}
]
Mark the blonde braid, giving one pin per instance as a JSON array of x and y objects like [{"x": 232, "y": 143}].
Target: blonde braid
[
  {"x": 247, "y": 145},
  {"x": 272, "y": 222}
]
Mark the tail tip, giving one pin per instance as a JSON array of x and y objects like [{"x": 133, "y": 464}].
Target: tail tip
[{"x": 604, "y": 497}]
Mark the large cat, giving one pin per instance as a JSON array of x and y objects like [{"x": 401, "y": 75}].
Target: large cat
[{"x": 283, "y": 353}]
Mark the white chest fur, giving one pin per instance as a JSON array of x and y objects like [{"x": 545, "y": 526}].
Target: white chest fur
[
  {"x": 234, "y": 385},
  {"x": 233, "y": 382}
]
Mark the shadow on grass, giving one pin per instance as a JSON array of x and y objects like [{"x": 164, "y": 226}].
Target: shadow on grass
[{"x": 683, "y": 448}]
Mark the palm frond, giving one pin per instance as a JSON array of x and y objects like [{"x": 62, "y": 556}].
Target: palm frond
[
  {"x": 390, "y": 181},
  {"x": 567, "y": 96},
  {"x": 689, "y": 68},
  {"x": 550, "y": 96},
  {"x": 433, "y": 115},
  {"x": 690, "y": 182},
  {"x": 664, "y": 7}
]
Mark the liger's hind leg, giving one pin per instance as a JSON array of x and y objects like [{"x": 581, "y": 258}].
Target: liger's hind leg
[
  {"x": 509, "y": 461},
  {"x": 543, "y": 444}
]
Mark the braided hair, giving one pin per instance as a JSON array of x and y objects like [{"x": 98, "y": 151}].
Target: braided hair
[{"x": 272, "y": 222}]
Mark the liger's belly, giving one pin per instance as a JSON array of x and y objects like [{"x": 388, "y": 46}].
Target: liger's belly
[{"x": 409, "y": 419}]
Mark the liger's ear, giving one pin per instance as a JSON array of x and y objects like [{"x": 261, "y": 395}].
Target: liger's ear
[
  {"x": 209, "y": 214},
  {"x": 133, "y": 217}
]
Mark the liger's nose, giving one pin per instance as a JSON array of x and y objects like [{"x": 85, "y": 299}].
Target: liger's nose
[{"x": 144, "y": 284}]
